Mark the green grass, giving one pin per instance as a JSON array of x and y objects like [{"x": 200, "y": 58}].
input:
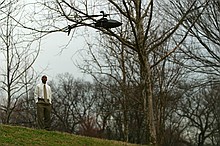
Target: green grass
[{"x": 21, "y": 136}]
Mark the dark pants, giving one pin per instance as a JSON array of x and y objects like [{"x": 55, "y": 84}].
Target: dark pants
[{"x": 43, "y": 115}]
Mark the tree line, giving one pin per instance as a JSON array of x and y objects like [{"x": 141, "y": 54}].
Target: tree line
[
  {"x": 191, "y": 116},
  {"x": 155, "y": 77}
]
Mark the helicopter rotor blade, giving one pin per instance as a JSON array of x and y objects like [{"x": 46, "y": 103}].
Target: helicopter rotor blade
[
  {"x": 96, "y": 15},
  {"x": 103, "y": 14}
]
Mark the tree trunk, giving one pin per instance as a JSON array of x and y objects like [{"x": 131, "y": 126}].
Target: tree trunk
[{"x": 148, "y": 100}]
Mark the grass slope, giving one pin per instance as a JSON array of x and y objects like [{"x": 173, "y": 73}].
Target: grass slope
[{"x": 21, "y": 136}]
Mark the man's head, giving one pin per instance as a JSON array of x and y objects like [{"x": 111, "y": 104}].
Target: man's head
[{"x": 44, "y": 79}]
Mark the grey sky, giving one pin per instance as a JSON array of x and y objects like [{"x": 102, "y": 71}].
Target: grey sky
[{"x": 54, "y": 60}]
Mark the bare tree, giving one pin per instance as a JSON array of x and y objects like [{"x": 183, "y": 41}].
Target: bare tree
[
  {"x": 203, "y": 60},
  {"x": 73, "y": 104},
  {"x": 143, "y": 23},
  {"x": 202, "y": 48},
  {"x": 198, "y": 109},
  {"x": 16, "y": 49}
]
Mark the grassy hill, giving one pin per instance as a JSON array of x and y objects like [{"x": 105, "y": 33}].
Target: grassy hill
[{"x": 16, "y": 136}]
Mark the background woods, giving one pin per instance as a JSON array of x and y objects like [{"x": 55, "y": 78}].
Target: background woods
[{"x": 155, "y": 78}]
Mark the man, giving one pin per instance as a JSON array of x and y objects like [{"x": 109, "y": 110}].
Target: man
[{"x": 43, "y": 100}]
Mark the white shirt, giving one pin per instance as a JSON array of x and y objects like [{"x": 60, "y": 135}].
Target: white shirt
[{"x": 39, "y": 92}]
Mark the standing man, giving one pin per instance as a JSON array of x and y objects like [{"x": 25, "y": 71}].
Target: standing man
[{"x": 42, "y": 96}]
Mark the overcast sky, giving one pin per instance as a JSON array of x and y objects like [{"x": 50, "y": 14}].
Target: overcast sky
[
  {"x": 53, "y": 57},
  {"x": 57, "y": 60}
]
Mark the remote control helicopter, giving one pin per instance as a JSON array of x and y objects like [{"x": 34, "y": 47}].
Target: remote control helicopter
[
  {"x": 102, "y": 22},
  {"x": 106, "y": 23}
]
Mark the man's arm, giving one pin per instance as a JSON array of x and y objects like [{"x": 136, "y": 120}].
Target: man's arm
[{"x": 50, "y": 94}]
